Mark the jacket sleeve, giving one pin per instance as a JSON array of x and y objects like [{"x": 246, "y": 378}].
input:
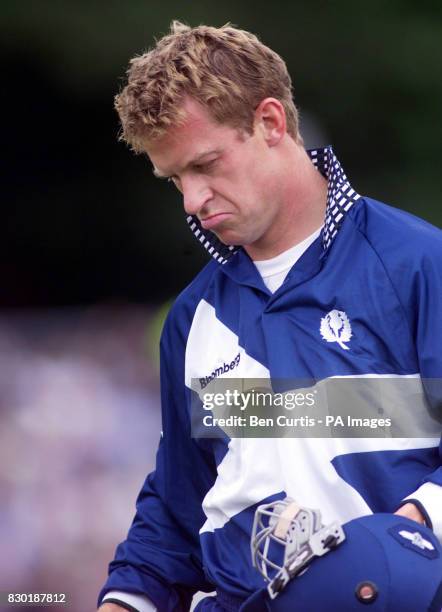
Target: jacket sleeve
[
  {"x": 161, "y": 557},
  {"x": 426, "y": 307}
]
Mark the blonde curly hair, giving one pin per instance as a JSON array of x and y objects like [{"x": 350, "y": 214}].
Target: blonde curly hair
[{"x": 226, "y": 69}]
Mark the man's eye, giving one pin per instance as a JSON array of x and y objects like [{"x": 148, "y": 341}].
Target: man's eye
[{"x": 205, "y": 167}]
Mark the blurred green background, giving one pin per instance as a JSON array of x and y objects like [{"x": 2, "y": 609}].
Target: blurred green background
[{"x": 86, "y": 221}]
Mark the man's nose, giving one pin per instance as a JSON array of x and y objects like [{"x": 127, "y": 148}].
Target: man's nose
[{"x": 196, "y": 193}]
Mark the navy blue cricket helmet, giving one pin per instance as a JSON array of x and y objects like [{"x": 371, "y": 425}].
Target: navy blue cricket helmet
[{"x": 376, "y": 563}]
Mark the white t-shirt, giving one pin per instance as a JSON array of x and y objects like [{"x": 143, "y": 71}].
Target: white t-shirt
[{"x": 274, "y": 271}]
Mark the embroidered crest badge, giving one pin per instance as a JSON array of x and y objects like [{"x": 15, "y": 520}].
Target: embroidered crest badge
[
  {"x": 416, "y": 539},
  {"x": 335, "y": 327}
]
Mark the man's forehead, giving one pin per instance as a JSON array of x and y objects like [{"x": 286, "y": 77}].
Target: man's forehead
[{"x": 194, "y": 119}]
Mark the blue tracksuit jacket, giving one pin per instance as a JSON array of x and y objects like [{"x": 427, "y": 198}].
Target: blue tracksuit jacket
[{"x": 381, "y": 267}]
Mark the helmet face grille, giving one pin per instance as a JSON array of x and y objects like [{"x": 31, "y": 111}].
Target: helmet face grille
[
  {"x": 285, "y": 538},
  {"x": 275, "y": 534},
  {"x": 261, "y": 538}
]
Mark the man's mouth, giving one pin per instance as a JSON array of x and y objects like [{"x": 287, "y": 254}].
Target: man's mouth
[{"x": 212, "y": 221}]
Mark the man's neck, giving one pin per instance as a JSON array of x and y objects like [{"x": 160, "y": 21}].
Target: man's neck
[{"x": 303, "y": 196}]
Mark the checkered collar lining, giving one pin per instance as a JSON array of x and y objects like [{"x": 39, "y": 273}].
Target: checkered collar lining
[{"x": 340, "y": 198}]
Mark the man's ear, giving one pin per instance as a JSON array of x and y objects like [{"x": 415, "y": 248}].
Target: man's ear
[{"x": 269, "y": 119}]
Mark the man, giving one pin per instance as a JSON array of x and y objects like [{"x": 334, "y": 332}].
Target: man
[{"x": 308, "y": 280}]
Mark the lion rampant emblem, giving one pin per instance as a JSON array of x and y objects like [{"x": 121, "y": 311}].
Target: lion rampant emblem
[{"x": 335, "y": 327}]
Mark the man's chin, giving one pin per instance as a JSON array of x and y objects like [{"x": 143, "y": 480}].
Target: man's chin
[
  {"x": 231, "y": 237},
  {"x": 228, "y": 237}
]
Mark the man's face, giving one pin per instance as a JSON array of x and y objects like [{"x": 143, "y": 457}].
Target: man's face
[{"x": 225, "y": 176}]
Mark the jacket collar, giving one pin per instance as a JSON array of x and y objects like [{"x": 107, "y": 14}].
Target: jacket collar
[{"x": 340, "y": 198}]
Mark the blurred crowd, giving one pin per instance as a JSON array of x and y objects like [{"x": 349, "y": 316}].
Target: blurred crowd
[{"x": 79, "y": 427}]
